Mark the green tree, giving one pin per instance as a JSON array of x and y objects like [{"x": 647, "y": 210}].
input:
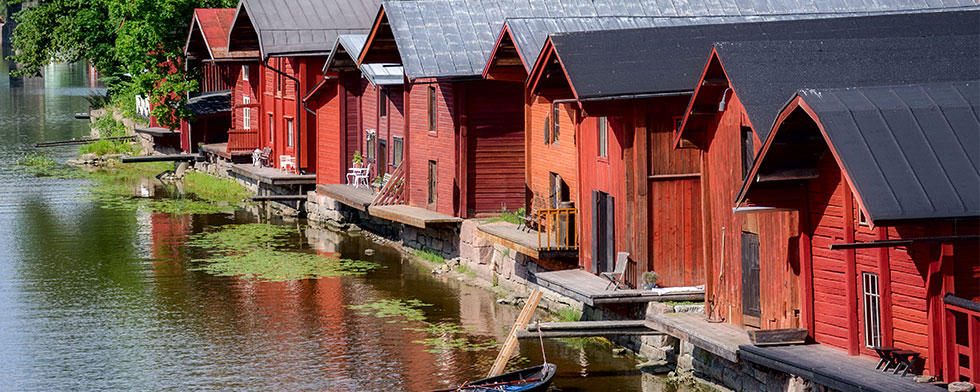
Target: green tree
[{"x": 136, "y": 45}]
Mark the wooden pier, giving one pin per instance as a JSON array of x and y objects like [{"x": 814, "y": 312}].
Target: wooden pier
[
  {"x": 581, "y": 329},
  {"x": 81, "y": 141},
  {"x": 590, "y": 289},
  {"x": 163, "y": 158}
]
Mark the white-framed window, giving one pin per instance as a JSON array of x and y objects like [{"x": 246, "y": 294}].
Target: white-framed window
[
  {"x": 603, "y": 137},
  {"x": 289, "y": 132},
  {"x": 370, "y": 146},
  {"x": 398, "y": 146},
  {"x": 247, "y": 113},
  {"x": 245, "y": 73},
  {"x": 872, "y": 309},
  {"x": 862, "y": 219}
]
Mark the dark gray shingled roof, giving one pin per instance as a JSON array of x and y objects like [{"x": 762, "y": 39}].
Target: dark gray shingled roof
[
  {"x": 211, "y": 103},
  {"x": 764, "y": 73},
  {"x": 911, "y": 151},
  {"x": 344, "y": 56},
  {"x": 671, "y": 59},
  {"x": 303, "y": 27},
  {"x": 446, "y": 38}
]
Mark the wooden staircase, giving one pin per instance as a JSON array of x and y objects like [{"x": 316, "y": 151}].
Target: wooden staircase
[{"x": 394, "y": 191}]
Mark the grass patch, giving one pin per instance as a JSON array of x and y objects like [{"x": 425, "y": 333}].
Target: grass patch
[
  {"x": 109, "y": 147},
  {"x": 509, "y": 217},
  {"x": 441, "y": 337},
  {"x": 35, "y": 159},
  {"x": 214, "y": 189},
  {"x": 465, "y": 271},
  {"x": 429, "y": 256},
  {"x": 109, "y": 127},
  {"x": 568, "y": 315},
  {"x": 252, "y": 251}
]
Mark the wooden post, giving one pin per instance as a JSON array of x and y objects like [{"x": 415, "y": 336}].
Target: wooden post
[
  {"x": 511, "y": 343},
  {"x": 850, "y": 275}
]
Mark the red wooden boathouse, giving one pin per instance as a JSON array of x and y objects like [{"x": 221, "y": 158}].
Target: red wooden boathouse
[
  {"x": 774, "y": 243},
  {"x": 359, "y": 109},
  {"x": 293, "y": 44}
]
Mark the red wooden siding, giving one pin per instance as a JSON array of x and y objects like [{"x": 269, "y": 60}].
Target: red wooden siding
[
  {"x": 330, "y": 161},
  {"x": 219, "y": 77},
  {"x": 282, "y": 106},
  {"x": 439, "y": 146},
  {"x": 543, "y": 159},
  {"x": 495, "y": 137},
  {"x": 674, "y": 199},
  {"x": 601, "y": 174},
  {"x": 778, "y": 233}
]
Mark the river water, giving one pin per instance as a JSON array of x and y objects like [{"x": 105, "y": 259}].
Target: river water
[{"x": 95, "y": 299}]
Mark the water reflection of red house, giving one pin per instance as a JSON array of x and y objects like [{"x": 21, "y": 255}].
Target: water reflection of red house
[{"x": 168, "y": 233}]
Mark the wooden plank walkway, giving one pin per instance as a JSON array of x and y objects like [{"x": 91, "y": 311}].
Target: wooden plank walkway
[
  {"x": 272, "y": 176},
  {"x": 832, "y": 368},
  {"x": 720, "y": 339},
  {"x": 526, "y": 242},
  {"x": 359, "y": 198},
  {"x": 221, "y": 150},
  {"x": 588, "y": 329},
  {"x": 412, "y": 216},
  {"x": 590, "y": 289},
  {"x": 81, "y": 141},
  {"x": 157, "y": 132}
]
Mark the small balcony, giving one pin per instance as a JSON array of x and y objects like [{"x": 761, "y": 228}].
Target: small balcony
[
  {"x": 547, "y": 234},
  {"x": 243, "y": 140}
]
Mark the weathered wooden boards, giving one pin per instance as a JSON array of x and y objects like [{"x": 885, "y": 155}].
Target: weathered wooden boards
[
  {"x": 80, "y": 141},
  {"x": 590, "y": 289},
  {"x": 722, "y": 340},
  {"x": 511, "y": 343},
  {"x": 588, "y": 329}
]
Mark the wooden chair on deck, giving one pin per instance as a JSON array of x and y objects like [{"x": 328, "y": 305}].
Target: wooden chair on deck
[{"x": 616, "y": 277}]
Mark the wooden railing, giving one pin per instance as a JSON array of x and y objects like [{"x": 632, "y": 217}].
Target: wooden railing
[
  {"x": 962, "y": 340},
  {"x": 243, "y": 140},
  {"x": 395, "y": 191},
  {"x": 556, "y": 229}
]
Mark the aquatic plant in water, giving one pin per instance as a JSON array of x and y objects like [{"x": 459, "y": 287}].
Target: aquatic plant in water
[
  {"x": 443, "y": 336},
  {"x": 253, "y": 251}
]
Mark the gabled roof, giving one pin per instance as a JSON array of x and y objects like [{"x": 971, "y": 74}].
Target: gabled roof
[
  {"x": 297, "y": 27},
  {"x": 764, "y": 73},
  {"x": 344, "y": 56},
  {"x": 910, "y": 151},
  {"x": 454, "y": 38},
  {"x": 671, "y": 59},
  {"x": 209, "y": 33}
]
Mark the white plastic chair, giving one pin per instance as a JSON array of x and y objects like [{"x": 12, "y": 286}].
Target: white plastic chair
[{"x": 361, "y": 177}]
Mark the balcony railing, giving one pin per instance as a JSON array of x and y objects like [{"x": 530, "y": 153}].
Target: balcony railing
[
  {"x": 394, "y": 190},
  {"x": 243, "y": 140},
  {"x": 556, "y": 229}
]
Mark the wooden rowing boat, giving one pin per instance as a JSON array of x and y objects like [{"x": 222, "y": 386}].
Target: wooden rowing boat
[{"x": 532, "y": 379}]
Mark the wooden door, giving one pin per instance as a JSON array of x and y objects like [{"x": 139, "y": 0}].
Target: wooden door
[
  {"x": 751, "y": 303},
  {"x": 603, "y": 232},
  {"x": 382, "y": 157}
]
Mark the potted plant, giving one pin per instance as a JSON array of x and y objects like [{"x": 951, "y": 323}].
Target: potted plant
[
  {"x": 650, "y": 280},
  {"x": 358, "y": 159},
  {"x": 377, "y": 183}
]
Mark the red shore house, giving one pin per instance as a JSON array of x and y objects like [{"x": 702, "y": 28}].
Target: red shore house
[
  {"x": 740, "y": 93},
  {"x": 463, "y": 138},
  {"x": 207, "y": 49},
  {"x": 293, "y": 44},
  {"x": 359, "y": 109}
]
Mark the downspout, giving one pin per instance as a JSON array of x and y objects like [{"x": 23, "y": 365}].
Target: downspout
[{"x": 299, "y": 109}]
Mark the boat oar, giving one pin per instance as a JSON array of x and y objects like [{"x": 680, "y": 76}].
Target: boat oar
[{"x": 496, "y": 384}]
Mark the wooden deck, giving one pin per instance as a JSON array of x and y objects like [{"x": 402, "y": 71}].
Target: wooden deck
[
  {"x": 272, "y": 176},
  {"x": 526, "y": 242},
  {"x": 578, "y": 329},
  {"x": 719, "y": 339},
  {"x": 162, "y": 158},
  {"x": 412, "y": 216},
  {"x": 157, "y": 132},
  {"x": 358, "y": 198},
  {"x": 221, "y": 150},
  {"x": 831, "y": 367},
  {"x": 590, "y": 289}
]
